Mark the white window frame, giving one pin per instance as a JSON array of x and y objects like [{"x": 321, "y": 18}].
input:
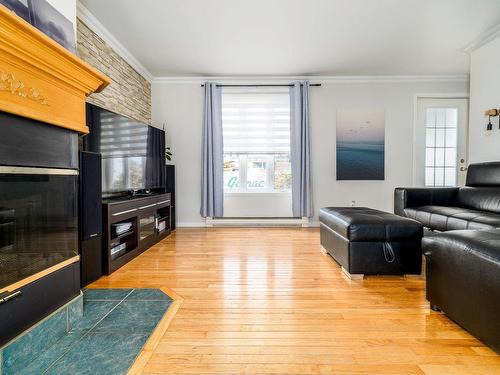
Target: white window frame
[{"x": 243, "y": 171}]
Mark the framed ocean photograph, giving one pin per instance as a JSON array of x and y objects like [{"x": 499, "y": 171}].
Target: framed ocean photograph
[
  {"x": 361, "y": 144},
  {"x": 47, "y": 19}
]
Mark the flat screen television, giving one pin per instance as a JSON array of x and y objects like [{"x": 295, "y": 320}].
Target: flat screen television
[{"x": 133, "y": 153}]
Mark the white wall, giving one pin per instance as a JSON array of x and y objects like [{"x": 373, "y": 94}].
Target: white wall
[
  {"x": 484, "y": 94},
  {"x": 258, "y": 205},
  {"x": 180, "y": 105}
]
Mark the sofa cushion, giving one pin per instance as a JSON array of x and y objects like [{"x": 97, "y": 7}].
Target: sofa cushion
[
  {"x": 453, "y": 218},
  {"x": 484, "y": 243},
  {"x": 366, "y": 224},
  {"x": 483, "y": 174},
  {"x": 480, "y": 198}
]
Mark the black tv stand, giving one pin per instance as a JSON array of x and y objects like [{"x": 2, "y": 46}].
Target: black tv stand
[
  {"x": 128, "y": 197},
  {"x": 131, "y": 225}
]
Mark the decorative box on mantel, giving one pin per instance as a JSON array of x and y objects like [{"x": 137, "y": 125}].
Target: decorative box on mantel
[{"x": 40, "y": 79}]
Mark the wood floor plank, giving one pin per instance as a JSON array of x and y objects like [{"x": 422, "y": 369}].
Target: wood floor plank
[{"x": 269, "y": 301}]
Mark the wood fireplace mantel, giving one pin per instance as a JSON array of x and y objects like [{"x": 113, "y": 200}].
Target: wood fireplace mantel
[{"x": 40, "y": 79}]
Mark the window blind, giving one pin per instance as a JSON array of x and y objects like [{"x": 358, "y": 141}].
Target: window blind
[{"x": 256, "y": 121}]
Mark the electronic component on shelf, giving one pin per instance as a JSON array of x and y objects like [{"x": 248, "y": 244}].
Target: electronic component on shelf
[
  {"x": 162, "y": 225},
  {"x": 120, "y": 228},
  {"x": 118, "y": 250}
]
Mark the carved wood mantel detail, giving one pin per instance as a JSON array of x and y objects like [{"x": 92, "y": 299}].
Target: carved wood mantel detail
[
  {"x": 42, "y": 80},
  {"x": 11, "y": 84}
]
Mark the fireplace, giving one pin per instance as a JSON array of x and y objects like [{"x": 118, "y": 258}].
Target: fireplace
[
  {"x": 42, "y": 111},
  {"x": 38, "y": 220}
]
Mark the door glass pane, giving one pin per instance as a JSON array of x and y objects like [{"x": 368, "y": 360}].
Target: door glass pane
[
  {"x": 430, "y": 137},
  {"x": 441, "y": 146},
  {"x": 439, "y": 177},
  {"x": 430, "y": 118},
  {"x": 439, "y": 137},
  {"x": 430, "y": 157},
  {"x": 451, "y": 157},
  {"x": 429, "y": 176},
  {"x": 440, "y": 117},
  {"x": 451, "y": 137},
  {"x": 439, "y": 161},
  {"x": 450, "y": 177},
  {"x": 451, "y": 117}
]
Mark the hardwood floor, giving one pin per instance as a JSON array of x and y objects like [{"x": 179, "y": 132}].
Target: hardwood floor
[{"x": 269, "y": 301}]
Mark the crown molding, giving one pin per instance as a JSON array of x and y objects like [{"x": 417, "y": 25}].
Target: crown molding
[
  {"x": 484, "y": 38},
  {"x": 319, "y": 79},
  {"x": 96, "y": 26}
]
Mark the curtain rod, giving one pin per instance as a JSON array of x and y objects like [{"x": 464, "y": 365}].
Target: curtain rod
[{"x": 270, "y": 85}]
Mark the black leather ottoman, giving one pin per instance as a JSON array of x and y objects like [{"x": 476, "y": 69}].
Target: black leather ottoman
[{"x": 365, "y": 241}]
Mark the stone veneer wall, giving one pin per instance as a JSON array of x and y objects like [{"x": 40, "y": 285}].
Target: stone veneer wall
[{"x": 129, "y": 93}]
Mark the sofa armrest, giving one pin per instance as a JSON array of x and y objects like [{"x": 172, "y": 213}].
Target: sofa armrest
[
  {"x": 462, "y": 269},
  {"x": 418, "y": 197}
]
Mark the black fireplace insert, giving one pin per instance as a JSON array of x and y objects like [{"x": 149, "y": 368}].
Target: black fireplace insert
[
  {"x": 39, "y": 268},
  {"x": 38, "y": 220}
]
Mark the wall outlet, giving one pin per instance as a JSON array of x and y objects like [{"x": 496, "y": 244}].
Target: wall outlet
[{"x": 353, "y": 204}]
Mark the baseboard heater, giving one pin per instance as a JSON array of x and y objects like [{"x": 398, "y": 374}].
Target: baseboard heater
[{"x": 257, "y": 222}]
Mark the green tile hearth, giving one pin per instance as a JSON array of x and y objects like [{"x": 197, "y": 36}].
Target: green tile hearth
[{"x": 106, "y": 339}]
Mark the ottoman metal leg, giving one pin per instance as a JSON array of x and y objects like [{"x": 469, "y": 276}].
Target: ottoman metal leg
[
  {"x": 435, "y": 308},
  {"x": 354, "y": 276}
]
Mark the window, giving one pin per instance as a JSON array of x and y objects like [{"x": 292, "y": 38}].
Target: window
[
  {"x": 122, "y": 173},
  {"x": 256, "y": 132},
  {"x": 441, "y": 146}
]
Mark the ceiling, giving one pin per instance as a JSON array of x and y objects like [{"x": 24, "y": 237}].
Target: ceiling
[{"x": 297, "y": 37}]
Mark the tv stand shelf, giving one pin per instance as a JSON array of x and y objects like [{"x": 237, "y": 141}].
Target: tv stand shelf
[{"x": 150, "y": 219}]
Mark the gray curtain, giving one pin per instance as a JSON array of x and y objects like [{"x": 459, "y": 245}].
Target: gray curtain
[
  {"x": 212, "y": 180},
  {"x": 300, "y": 150}
]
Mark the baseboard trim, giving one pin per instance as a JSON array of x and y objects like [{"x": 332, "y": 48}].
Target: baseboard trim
[
  {"x": 190, "y": 224},
  {"x": 247, "y": 222},
  {"x": 257, "y": 222}
]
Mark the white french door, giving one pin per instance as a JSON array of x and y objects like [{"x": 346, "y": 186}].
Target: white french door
[{"x": 441, "y": 138}]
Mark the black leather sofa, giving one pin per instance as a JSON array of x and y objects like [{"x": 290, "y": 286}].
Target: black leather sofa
[
  {"x": 463, "y": 263},
  {"x": 475, "y": 206},
  {"x": 463, "y": 280}
]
